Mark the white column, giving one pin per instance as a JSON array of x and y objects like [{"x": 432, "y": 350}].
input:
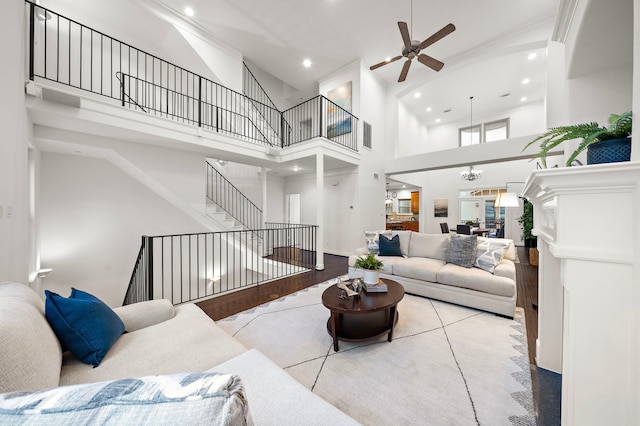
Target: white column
[
  {"x": 263, "y": 182},
  {"x": 320, "y": 211}
]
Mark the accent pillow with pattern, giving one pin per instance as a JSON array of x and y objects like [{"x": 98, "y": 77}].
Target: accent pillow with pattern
[{"x": 462, "y": 250}]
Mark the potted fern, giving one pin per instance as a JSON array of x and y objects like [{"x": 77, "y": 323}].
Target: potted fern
[
  {"x": 604, "y": 144},
  {"x": 370, "y": 266},
  {"x": 530, "y": 240}
]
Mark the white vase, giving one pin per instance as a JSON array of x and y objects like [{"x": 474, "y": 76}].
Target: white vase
[{"x": 371, "y": 276}]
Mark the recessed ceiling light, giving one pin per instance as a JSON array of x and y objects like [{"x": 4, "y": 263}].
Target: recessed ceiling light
[
  {"x": 429, "y": 109},
  {"x": 404, "y": 186},
  {"x": 295, "y": 168},
  {"x": 525, "y": 81},
  {"x": 188, "y": 11},
  {"x": 522, "y": 99},
  {"x": 532, "y": 56},
  {"x": 306, "y": 63},
  {"x": 417, "y": 95},
  {"x": 437, "y": 120}
]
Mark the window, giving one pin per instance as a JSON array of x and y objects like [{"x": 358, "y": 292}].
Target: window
[
  {"x": 404, "y": 205},
  {"x": 496, "y": 130},
  {"x": 478, "y": 206},
  {"x": 486, "y": 132},
  {"x": 470, "y": 135}
]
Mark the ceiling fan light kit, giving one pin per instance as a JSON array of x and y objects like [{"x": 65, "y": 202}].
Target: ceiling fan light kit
[{"x": 413, "y": 48}]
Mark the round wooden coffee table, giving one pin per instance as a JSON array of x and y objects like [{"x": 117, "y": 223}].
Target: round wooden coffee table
[{"x": 365, "y": 317}]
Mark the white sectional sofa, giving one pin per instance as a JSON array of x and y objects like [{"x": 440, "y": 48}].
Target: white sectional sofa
[
  {"x": 160, "y": 340},
  {"x": 422, "y": 269}
]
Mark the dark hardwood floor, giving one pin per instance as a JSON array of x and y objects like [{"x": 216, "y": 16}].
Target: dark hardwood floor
[{"x": 230, "y": 304}]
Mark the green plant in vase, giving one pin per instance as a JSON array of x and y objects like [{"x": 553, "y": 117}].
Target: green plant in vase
[
  {"x": 619, "y": 128},
  {"x": 371, "y": 262},
  {"x": 370, "y": 266},
  {"x": 526, "y": 223}
]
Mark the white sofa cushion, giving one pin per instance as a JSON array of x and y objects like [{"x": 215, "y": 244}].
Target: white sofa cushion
[
  {"x": 276, "y": 398},
  {"x": 476, "y": 279},
  {"x": 145, "y": 314},
  {"x": 30, "y": 354},
  {"x": 186, "y": 398},
  {"x": 433, "y": 246},
  {"x": 389, "y": 263},
  {"x": 419, "y": 268},
  {"x": 164, "y": 348},
  {"x": 506, "y": 268}
]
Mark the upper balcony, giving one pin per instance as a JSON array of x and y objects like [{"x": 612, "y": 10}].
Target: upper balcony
[{"x": 66, "y": 56}]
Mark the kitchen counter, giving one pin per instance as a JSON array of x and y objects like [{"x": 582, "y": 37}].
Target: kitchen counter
[{"x": 398, "y": 225}]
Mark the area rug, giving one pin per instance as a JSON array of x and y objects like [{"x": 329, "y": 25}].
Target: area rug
[{"x": 446, "y": 365}]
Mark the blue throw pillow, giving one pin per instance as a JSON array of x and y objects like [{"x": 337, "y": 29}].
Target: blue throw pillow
[
  {"x": 389, "y": 247},
  {"x": 84, "y": 324}
]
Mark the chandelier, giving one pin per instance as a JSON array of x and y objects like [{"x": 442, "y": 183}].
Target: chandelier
[
  {"x": 471, "y": 174},
  {"x": 388, "y": 199}
]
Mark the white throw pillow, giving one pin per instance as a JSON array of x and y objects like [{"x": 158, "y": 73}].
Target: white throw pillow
[
  {"x": 433, "y": 246},
  {"x": 490, "y": 253},
  {"x": 185, "y": 398}
]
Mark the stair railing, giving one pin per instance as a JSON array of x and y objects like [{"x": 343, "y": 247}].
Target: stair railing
[
  {"x": 254, "y": 90},
  {"x": 230, "y": 199},
  {"x": 190, "y": 267}
]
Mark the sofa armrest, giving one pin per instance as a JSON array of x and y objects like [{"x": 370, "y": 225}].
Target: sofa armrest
[
  {"x": 362, "y": 251},
  {"x": 145, "y": 314},
  {"x": 506, "y": 268}
]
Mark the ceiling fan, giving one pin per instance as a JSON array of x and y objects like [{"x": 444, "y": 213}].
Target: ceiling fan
[{"x": 412, "y": 49}]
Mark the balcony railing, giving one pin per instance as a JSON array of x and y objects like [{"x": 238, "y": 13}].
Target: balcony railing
[
  {"x": 320, "y": 117},
  {"x": 189, "y": 267},
  {"x": 67, "y": 52}
]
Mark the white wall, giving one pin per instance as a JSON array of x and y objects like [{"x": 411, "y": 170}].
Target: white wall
[
  {"x": 594, "y": 97},
  {"x": 92, "y": 217},
  {"x": 341, "y": 217},
  {"x": 526, "y": 120},
  {"x": 413, "y": 134},
  {"x": 16, "y": 227},
  {"x": 278, "y": 90},
  {"x": 275, "y": 199}
]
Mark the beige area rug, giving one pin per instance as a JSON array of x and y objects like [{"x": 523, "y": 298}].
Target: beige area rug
[{"x": 447, "y": 364}]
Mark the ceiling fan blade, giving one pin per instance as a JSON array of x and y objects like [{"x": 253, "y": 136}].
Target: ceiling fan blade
[
  {"x": 430, "y": 62},
  {"x": 405, "y": 71},
  {"x": 404, "y": 32},
  {"x": 444, "y": 31},
  {"x": 373, "y": 67}
]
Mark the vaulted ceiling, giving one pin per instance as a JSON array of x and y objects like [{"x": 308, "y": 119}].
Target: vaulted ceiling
[{"x": 486, "y": 57}]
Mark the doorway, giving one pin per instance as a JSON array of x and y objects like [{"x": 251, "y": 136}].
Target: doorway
[{"x": 293, "y": 208}]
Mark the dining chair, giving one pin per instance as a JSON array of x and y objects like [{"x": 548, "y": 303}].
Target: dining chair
[{"x": 463, "y": 229}]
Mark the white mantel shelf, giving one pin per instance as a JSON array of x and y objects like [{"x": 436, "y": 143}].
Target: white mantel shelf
[{"x": 587, "y": 220}]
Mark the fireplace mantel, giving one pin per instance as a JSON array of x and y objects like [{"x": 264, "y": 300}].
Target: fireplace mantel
[{"x": 587, "y": 220}]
